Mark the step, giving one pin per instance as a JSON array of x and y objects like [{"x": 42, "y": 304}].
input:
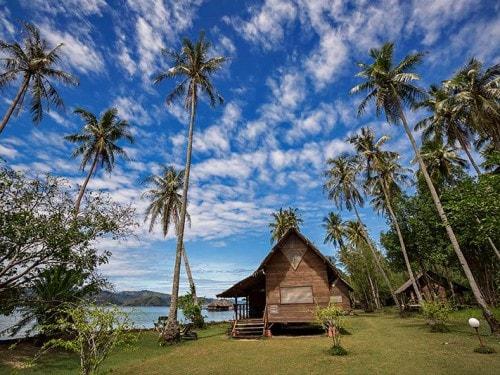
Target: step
[
  {"x": 249, "y": 324},
  {"x": 249, "y": 328},
  {"x": 248, "y": 337}
]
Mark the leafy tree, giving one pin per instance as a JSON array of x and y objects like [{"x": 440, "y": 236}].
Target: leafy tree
[
  {"x": 334, "y": 229},
  {"x": 384, "y": 173},
  {"x": 36, "y": 64},
  {"x": 194, "y": 69},
  {"x": 342, "y": 188},
  {"x": 96, "y": 331},
  {"x": 191, "y": 310},
  {"x": 333, "y": 320},
  {"x": 38, "y": 231},
  {"x": 391, "y": 87},
  {"x": 97, "y": 143},
  {"x": 166, "y": 203},
  {"x": 284, "y": 220}
]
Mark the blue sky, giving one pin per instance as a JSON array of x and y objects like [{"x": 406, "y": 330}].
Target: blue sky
[{"x": 286, "y": 110}]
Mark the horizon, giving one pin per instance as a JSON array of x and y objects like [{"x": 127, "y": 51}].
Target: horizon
[{"x": 287, "y": 109}]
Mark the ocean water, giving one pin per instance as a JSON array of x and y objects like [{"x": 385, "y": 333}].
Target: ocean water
[{"x": 141, "y": 316}]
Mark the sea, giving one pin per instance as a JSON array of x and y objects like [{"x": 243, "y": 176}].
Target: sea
[{"x": 141, "y": 316}]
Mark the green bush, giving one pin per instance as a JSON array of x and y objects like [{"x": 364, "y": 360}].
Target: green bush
[
  {"x": 337, "y": 350},
  {"x": 332, "y": 318},
  {"x": 191, "y": 310},
  {"x": 437, "y": 314}
]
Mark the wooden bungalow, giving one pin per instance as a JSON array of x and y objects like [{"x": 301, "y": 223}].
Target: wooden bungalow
[
  {"x": 431, "y": 285},
  {"x": 293, "y": 279},
  {"x": 220, "y": 305}
]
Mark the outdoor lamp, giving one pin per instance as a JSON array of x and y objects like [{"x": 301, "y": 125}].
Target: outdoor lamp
[{"x": 474, "y": 323}]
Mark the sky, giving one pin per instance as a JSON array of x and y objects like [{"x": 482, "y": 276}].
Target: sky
[{"x": 287, "y": 109}]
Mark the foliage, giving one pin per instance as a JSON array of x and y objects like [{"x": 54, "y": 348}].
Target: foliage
[
  {"x": 485, "y": 350},
  {"x": 38, "y": 230},
  {"x": 437, "y": 314},
  {"x": 332, "y": 319},
  {"x": 94, "y": 331},
  {"x": 283, "y": 220},
  {"x": 192, "y": 310}
]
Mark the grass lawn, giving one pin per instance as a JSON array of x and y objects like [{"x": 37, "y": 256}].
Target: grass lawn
[{"x": 380, "y": 343}]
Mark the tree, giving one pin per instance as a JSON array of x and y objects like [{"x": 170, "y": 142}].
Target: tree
[
  {"x": 342, "y": 189},
  {"x": 165, "y": 204},
  {"x": 284, "y": 220},
  {"x": 97, "y": 143},
  {"x": 36, "y": 65},
  {"x": 38, "y": 231},
  {"x": 334, "y": 229},
  {"x": 194, "y": 69},
  {"x": 387, "y": 175},
  {"x": 391, "y": 86},
  {"x": 476, "y": 93},
  {"x": 96, "y": 331}
]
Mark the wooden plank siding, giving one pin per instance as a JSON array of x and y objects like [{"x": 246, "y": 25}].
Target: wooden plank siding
[{"x": 311, "y": 271}]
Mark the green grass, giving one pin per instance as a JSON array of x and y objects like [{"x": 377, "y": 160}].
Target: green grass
[{"x": 380, "y": 343}]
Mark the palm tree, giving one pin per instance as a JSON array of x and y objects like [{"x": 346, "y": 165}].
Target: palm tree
[
  {"x": 36, "y": 64},
  {"x": 388, "y": 174},
  {"x": 391, "y": 86},
  {"x": 194, "y": 69},
  {"x": 342, "y": 188},
  {"x": 97, "y": 143},
  {"x": 166, "y": 202},
  {"x": 334, "y": 228},
  {"x": 284, "y": 220},
  {"x": 446, "y": 120},
  {"x": 476, "y": 92},
  {"x": 442, "y": 161}
]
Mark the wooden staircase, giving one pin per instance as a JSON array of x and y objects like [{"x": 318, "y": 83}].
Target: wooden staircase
[{"x": 248, "y": 329}]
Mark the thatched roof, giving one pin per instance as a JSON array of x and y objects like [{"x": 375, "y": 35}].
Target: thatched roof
[
  {"x": 220, "y": 303},
  {"x": 433, "y": 277}
]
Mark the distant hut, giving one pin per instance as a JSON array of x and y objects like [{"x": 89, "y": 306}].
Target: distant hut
[
  {"x": 220, "y": 305},
  {"x": 292, "y": 280},
  {"x": 431, "y": 285}
]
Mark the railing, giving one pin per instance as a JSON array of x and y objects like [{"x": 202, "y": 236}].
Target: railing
[{"x": 241, "y": 311}]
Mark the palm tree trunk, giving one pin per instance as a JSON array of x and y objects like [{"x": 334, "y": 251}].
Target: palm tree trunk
[
  {"x": 488, "y": 315},
  {"x": 13, "y": 105},
  {"x": 377, "y": 261},
  {"x": 84, "y": 186},
  {"x": 372, "y": 287},
  {"x": 401, "y": 241},
  {"x": 172, "y": 315},
  {"x": 189, "y": 275}
]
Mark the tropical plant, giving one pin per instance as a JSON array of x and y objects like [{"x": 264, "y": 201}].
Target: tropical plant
[
  {"x": 284, "y": 219},
  {"x": 36, "y": 64},
  {"x": 334, "y": 229},
  {"x": 191, "y": 310},
  {"x": 165, "y": 205},
  {"x": 437, "y": 314},
  {"x": 384, "y": 173},
  {"x": 95, "y": 332},
  {"x": 332, "y": 319},
  {"x": 476, "y": 93},
  {"x": 194, "y": 69},
  {"x": 342, "y": 188},
  {"x": 391, "y": 87},
  {"x": 97, "y": 143}
]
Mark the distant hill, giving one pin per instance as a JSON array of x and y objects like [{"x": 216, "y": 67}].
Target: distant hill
[{"x": 134, "y": 298}]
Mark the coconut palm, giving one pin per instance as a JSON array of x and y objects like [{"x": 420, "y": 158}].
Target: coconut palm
[
  {"x": 165, "y": 205},
  {"x": 194, "y": 69},
  {"x": 284, "y": 220},
  {"x": 446, "y": 122},
  {"x": 334, "y": 228},
  {"x": 391, "y": 87},
  {"x": 97, "y": 143},
  {"x": 477, "y": 93},
  {"x": 442, "y": 161},
  {"x": 342, "y": 188},
  {"x": 387, "y": 173},
  {"x": 36, "y": 64}
]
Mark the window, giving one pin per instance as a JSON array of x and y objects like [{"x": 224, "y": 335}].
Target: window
[{"x": 297, "y": 294}]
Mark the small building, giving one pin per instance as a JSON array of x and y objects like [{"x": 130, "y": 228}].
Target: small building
[
  {"x": 431, "y": 285},
  {"x": 220, "y": 305},
  {"x": 292, "y": 280}
]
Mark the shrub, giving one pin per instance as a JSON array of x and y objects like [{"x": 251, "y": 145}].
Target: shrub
[
  {"x": 332, "y": 319},
  {"x": 437, "y": 314},
  {"x": 485, "y": 350},
  {"x": 191, "y": 310}
]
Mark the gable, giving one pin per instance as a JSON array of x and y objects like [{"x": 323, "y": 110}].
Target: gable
[{"x": 294, "y": 250}]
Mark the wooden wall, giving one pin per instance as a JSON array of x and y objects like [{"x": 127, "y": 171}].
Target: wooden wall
[{"x": 311, "y": 271}]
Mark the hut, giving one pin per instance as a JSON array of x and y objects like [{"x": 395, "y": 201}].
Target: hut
[
  {"x": 292, "y": 280},
  {"x": 431, "y": 285},
  {"x": 220, "y": 305}
]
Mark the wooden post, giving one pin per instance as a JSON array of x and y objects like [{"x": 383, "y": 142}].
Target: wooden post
[{"x": 235, "y": 308}]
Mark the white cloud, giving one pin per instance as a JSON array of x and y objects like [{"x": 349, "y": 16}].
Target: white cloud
[
  {"x": 80, "y": 8},
  {"x": 8, "y": 152},
  {"x": 132, "y": 111}
]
